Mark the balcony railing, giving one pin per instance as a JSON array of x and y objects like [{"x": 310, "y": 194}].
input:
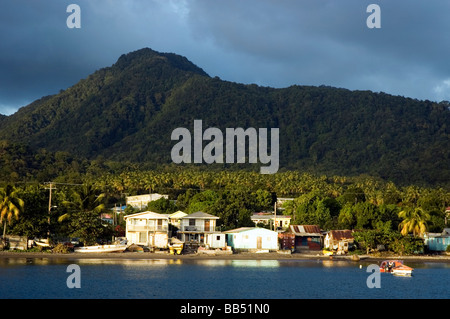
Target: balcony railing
[
  {"x": 147, "y": 228},
  {"x": 200, "y": 228}
]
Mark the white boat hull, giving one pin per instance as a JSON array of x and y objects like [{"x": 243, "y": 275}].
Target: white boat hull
[
  {"x": 101, "y": 249},
  {"x": 401, "y": 272},
  {"x": 42, "y": 243}
]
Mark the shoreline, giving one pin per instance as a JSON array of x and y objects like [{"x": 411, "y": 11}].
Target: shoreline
[{"x": 235, "y": 256}]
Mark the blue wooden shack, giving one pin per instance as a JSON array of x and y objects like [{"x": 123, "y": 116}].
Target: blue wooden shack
[
  {"x": 251, "y": 238},
  {"x": 437, "y": 241}
]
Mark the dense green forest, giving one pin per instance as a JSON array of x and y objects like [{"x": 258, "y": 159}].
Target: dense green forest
[{"x": 126, "y": 113}]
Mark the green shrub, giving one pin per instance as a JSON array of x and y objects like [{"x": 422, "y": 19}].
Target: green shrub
[{"x": 61, "y": 249}]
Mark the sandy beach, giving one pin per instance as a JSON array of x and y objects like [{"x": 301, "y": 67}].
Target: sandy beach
[{"x": 235, "y": 256}]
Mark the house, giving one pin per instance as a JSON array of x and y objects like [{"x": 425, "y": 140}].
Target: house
[
  {"x": 280, "y": 221},
  {"x": 147, "y": 229},
  {"x": 215, "y": 240},
  {"x": 175, "y": 218},
  {"x": 195, "y": 226},
  {"x": 437, "y": 241},
  {"x": 107, "y": 218},
  {"x": 141, "y": 201},
  {"x": 307, "y": 237},
  {"x": 338, "y": 240},
  {"x": 249, "y": 238},
  {"x": 287, "y": 241}
]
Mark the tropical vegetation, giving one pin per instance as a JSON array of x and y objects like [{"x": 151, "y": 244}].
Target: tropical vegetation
[{"x": 380, "y": 212}]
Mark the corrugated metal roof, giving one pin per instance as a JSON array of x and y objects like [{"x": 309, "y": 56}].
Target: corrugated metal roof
[
  {"x": 341, "y": 234},
  {"x": 305, "y": 230}
]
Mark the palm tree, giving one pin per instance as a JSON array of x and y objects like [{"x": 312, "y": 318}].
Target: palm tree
[
  {"x": 10, "y": 205},
  {"x": 414, "y": 220},
  {"x": 87, "y": 199}
]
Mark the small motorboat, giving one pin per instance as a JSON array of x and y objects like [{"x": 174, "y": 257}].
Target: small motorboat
[
  {"x": 395, "y": 267},
  {"x": 402, "y": 271}
]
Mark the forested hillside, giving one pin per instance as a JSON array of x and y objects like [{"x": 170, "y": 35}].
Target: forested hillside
[{"x": 126, "y": 113}]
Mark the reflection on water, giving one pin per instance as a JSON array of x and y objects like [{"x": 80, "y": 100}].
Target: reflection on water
[
  {"x": 211, "y": 278},
  {"x": 256, "y": 263},
  {"x": 327, "y": 263}
]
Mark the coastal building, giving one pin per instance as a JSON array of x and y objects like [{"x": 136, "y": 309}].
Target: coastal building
[
  {"x": 147, "y": 229},
  {"x": 307, "y": 237},
  {"x": 215, "y": 240},
  {"x": 281, "y": 222},
  {"x": 287, "y": 241},
  {"x": 175, "y": 218},
  {"x": 194, "y": 227},
  {"x": 141, "y": 201},
  {"x": 338, "y": 240},
  {"x": 251, "y": 238},
  {"x": 437, "y": 242}
]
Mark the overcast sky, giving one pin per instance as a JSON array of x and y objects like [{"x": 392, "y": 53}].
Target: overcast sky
[{"x": 274, "y": 43}]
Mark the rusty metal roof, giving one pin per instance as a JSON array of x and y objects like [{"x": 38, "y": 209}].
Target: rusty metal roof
[
  {"x": 305, "y": 230},
  {"x": 340, "y": 234}
]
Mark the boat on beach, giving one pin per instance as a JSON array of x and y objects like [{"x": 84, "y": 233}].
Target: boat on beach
[
  {"x": 175, "y": 246},
  {"x": 101, "y": 249},
  {"x": 395, "y": 267},
  {"x": 42, "y": 242}
]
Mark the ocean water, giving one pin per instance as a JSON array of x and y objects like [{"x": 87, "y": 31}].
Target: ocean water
[{"x": 41, "y": 278}]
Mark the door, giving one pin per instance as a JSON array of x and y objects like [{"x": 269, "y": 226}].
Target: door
[
  {"x": 207, "y": 224},
  {"x": 142, "y": 237},
  {"x": 258, "y": 242}
]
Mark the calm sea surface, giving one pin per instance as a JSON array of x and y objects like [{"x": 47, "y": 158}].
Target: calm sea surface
[{"x": 41, "y": 278}]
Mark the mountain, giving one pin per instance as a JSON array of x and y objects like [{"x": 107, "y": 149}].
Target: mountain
[{"x": 128, "y": 111}]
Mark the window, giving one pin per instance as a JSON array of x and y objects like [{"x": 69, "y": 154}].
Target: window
[
  {"x": 191, "y": 222},
  {"x": 217, "y": 237}
]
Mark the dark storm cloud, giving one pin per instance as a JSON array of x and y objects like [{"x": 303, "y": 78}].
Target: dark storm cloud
[{"x": 268, "y": 42}]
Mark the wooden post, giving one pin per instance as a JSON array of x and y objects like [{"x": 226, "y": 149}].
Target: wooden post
[{"x": 275, "y": 216}]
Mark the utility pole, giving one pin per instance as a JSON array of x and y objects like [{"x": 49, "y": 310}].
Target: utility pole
[
  {"x": 275, "y": 216},
  {"x": 49, "y": 207}
]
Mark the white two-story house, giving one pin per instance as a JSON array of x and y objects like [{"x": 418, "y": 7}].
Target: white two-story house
[
  {"x": 147, "y": 229},
  {"x": 197, "y": 227}
]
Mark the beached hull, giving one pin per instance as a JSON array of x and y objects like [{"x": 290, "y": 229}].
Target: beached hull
[
  {"x": 101, "y": 249},
  {"x": 42, "y": 243}
]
